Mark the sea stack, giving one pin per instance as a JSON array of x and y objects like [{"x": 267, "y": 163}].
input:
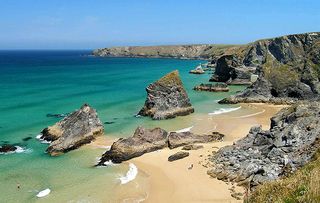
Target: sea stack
[
  {"x": 166, "y": 98},
  {"x": 75, "y": 130}
]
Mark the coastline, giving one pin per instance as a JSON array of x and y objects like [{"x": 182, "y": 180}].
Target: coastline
[{"x": 173, "y": 182}]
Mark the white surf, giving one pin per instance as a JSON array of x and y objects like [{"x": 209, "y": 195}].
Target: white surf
[
  {"x": 44, "y": 193},
  {"x": 184, "y": 130},
  {"x": 223, "y": 110},
  {"x": 131, "y": 174}
]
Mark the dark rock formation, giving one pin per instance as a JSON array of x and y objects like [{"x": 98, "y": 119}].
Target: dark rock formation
[
  {"x": 78, "y": 128},
  {"x": 26, "y": 139},
  {"x": 288, "y": 68},
  {"x": 230, "y": 70},
  {"x": 262, "y": 156},
  {"x": 142, "y": 141},
  {"x": 218, "y": 87},
  {"x": 7, "y": 148},
  {"x": 177, "y": 156},
  {"x": 145, "y": 140},
  {"x": 192, "y": 147},
  {"x": 185, "y": 138},
  {"x": 166, "y": 98}
]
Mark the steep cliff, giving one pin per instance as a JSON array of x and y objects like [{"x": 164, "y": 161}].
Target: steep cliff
[{"x": 288, "y": 69}]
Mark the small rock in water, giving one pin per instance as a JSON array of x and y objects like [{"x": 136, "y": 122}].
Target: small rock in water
[
  {"x": 26, "y": 138},
  {"x": 7, "y": 148},
  {"x": 177, "y": 156},
  {"x": 109, "y": 122}
]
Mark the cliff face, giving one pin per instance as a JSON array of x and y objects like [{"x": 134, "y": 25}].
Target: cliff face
[
  {"x": 179, "y": 51},
  {"x": 288, "y": 67},
  {"x": 265, "y": 155}
]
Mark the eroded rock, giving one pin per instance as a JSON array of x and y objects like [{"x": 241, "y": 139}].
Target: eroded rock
[
  {"x": 76, "y": 129},
  {"x": 267, "y": 155},
  {"x": 186, "y": 138},
  {"x": 166, "y": 98},
  {"x": 142, "y": 141},
  {"x": 177, "y": 156},
  {"x": 218, "y": 87}
]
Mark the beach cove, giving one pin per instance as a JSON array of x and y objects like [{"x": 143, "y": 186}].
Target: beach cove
[{"x": 116, "y": 88}]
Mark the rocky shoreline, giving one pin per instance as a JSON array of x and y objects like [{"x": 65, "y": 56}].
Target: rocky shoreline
[
  {"x": 149, "y": 140},
  {"x": 264, "y": 156}
]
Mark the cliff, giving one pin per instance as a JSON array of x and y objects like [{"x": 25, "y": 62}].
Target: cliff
[
  {"x": 288, "y": 69},
  {"x": 175, "y": 51}
]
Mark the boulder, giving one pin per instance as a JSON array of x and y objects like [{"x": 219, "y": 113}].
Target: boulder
[
  {"x": 265, "y": 155},
  {"x": 177, "y": 156},
  {"x": 192, "y": 147},
  {"x": 76, "y": 129},
  {"x": 186, "y": 138},
  {"x": 166, "y": 98},
  {"x": 142, "y": 141},
  {"x": 218, "y": 87},
  {"x": 197, "y": 70}
]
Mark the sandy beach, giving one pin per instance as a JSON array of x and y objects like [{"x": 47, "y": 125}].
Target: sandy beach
[{"x": 174, "y": 182}]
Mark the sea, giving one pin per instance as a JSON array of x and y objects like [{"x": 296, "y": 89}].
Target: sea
[{"x": 34, "y": 85}]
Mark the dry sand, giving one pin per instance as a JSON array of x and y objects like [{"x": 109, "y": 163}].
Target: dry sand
[{"x": 174, "y": 182}]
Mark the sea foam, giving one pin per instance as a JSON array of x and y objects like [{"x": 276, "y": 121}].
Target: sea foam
[
  {"x": 19, "y": 150},
  {"x": 42, "y": 140},
  {"x": 131, "y": 174},
  {"x": 184, "y": 130},
  {"x": 223, "y": 110}
]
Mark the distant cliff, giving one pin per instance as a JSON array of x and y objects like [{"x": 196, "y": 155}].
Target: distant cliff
[{"x": 175, "y": 51}]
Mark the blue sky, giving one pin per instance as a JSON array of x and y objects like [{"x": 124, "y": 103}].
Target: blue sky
[{"x": 87, "y": 24}]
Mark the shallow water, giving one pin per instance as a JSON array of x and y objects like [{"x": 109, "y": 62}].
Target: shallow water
[{"x": 36, "y": 83}]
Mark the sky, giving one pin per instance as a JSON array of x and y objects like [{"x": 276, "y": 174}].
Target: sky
[{"x": 90, "y": 24}]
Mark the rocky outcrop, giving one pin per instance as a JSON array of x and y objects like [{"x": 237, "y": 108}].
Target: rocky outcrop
[
  {"x": 197, "y": 70},
  {"x": 192, "y": 147},
  {"x": 78, "y": 128},
  {"x": 142, "y": 141},
  {"x": 262, "y": 155},
  {"x": 288, "y": 68},
  {"x": 149, "y": 140},
  {"x": 218, "y": 87},
  {"x": 230, "y": 70},
  {"x": 177, "y": 156},
  {"x": 186, "y": 138},
  {"x": 174, "y": 51},
  {"x": 166, "y": 98},
  {"x": 7, "y": 148}
]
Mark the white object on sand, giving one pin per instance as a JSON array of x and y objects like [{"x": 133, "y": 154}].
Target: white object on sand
[{"x": 44, "y": 193}]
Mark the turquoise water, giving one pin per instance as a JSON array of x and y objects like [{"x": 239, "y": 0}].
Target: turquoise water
[{"x": 35, "y": 83}]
